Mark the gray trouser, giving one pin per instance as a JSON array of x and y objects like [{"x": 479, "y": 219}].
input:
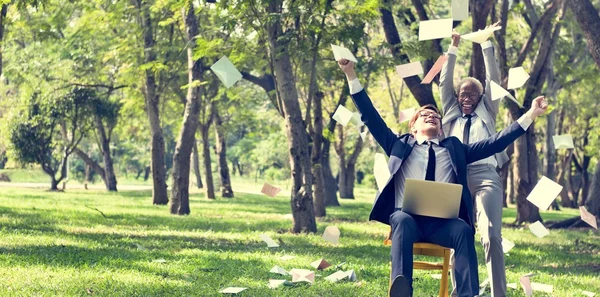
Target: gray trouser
[{"x": 486, "y": 189}]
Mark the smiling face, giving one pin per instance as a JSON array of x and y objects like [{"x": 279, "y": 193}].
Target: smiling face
[
  {"x": 427, "y": 121},
  {"x": 468, "y": 97}
]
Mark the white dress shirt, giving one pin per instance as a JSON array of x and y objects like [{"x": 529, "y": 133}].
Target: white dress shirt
[{"x": 477, "y": 132}]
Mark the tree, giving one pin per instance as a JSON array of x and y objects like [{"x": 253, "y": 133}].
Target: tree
[
  {"x": 180, "y": 203},
  {"x": 51, "y": 130},
  {"x": 221, "y": 151},
  {"x": 587, "y": 17}
]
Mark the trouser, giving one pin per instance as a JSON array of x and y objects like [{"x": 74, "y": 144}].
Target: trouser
[
  {"x": 452, "y": 233},
  {"x": 486, "y": 189}
]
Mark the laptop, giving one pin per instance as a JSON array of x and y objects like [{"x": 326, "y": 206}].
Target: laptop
[{"x": 432, "y": 199}]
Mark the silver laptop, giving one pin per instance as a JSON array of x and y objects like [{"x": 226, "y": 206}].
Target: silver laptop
[{"x": 432, "y": 199}]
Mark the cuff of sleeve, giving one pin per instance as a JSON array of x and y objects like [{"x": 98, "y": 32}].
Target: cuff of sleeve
[
  {"x": 355, "y": 86},
  {"x": 487, "y": 44},
  {"x": 525, "y": 121},
  {"x": 452, "y": 50}
]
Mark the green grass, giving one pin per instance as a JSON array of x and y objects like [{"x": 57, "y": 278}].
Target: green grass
[{"x": 55, "y": 244}]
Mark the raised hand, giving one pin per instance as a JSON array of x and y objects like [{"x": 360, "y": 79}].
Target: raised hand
[
  {"x": 539, "y": 106},
  {"x": 347, "y": 67},
  {"x": 455, "y": 38}
]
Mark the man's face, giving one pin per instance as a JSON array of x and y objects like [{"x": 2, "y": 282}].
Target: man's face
[
  {"x": 429, "y": 122},
  {"x": 468, "y": 97}
]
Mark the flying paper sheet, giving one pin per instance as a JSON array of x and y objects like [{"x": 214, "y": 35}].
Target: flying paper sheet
[
  {"x": 589, "y": 294},
  {"x": 276, "y": 283},
  {"x": 460, "y": 10},
  {"x": 340, "y": 52},
  {"x": 336, "y": 276},
  {"x": 356, "y": 119},
  {"x": 538, "y": 229},
  {"x": 507, "y": 245},
  {"x": 526, "y": 284},
  {"x": 499, "y": 92},
  {"x": 332, "y": 234},
  {"x": 588, "y": 217},
  {"x": 406, "y": 115},
  {"x": 342, "y": 115},
  {"x": 268, "y": 240},
  {"x": 517, "y": 77},
  {"x": 302, "y": 275},
  {"x": 232, "y": 290},
  {"x": 363, "y": 136},
  {"x": 563, "y": 141},
  {"x": 226, "y": 72},
  {"x": 435, "y": 29},
  {"x": 512, "y": 285},
  {"x": 278, "y": 270},
  {"x": 410, "y": 69},
  {"x": 436, "y": 276},
  {"x": 544, "y": 193},
  {"x": 480, "y": 36},
  {"x": 435, "y": 69},
  {"x": 270, "y": 190},
  {"x": 483, "y": 285},
  {"x": 381, "y": 171},
  {"x": 542, "y": 287},
  {"x": 320, "y": 264}
]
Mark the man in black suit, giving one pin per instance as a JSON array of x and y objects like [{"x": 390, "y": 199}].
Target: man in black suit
[{"x": 423, "y": 154}]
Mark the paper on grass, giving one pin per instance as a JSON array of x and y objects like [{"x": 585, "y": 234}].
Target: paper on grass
[
  {"x": 270, "y": 190},
  {"x": 302, "y": 275},
  {"x": 480, "y": 36},
  {"x": 587, "y": 293},
  {"x": 336, "y": 276},
  {"x": 226, "y": 72},
  {"x": 270, "y": 242},
  {"x": 409, "y": 69},
  {"x": 588, "y": 217},
  {"x": 538, "y": 229},
  {"x": 542, "y": 287},
  {"x": 483, "y": 286},
  {"x": 526, "y": 284},
  {"x": 460, "y": 10},
  {"x": 512, "y": 285},
  {"x": 435, "y": 29},
  {"x": 279, "y": 270},
  {"x": 517, "y": 77},
  {"x": 381, "y": 171},
  {"x": 320, "y": 264},
  {"x": 276, "y": 283},
  {"x": 406, "y": 115},
  {"x": 435, "y": 69},
  {"x": 507, "y": 245},
  {"x": 232, "y": 290},
  {"x": 498, "y": 92},
  {"x": 544, "y": 193},
  {"x": 340, "y": 52},
  {"x": 159, "y": 261},
  {"x": 332, "y": 234},
  {"x": 342, "y": 115},
  {"x": 564, "y": 141}
]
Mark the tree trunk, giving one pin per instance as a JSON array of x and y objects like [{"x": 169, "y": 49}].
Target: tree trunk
[
  {"x": 54, "y": 184},
  {"x": 221, "y": 151},
  {"x": 316, "y": 155},
  {"x": 180, "y": 191},
  {"x": 210, "y": 185},
  {"x": 346, "y": 184},
  {"x": 331, "y": 185},
  {"x": 86, "y": 178},
  {"x": 301, "y": 195},
  {"x": 588, "y": 19},
  {"x": 422, "y": 92},
  {"x": 152, "y": 100},
  {"x": 88, "y": 161},
  {"x": 593, "y": 200},
  {"x": 3, "y": 12},
  {"x": 110, "y": 180},
  {"x": 347, "y": 174},
  {"x": 526, "y": 177},
  {"x": 196, "y": 164},
  {"x": 480, "y": 12}
]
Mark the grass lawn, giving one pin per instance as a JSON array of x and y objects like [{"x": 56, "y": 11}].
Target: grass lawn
[{"x": 56, "y": 244}]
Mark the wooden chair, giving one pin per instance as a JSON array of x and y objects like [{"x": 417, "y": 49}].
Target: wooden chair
[{"x": 434, "y": 250}]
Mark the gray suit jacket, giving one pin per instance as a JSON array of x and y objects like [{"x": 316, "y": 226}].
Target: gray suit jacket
[{"x": 487, "y": 109}]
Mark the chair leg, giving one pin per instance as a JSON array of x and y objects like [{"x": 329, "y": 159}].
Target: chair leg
[{"x": 445, "y": 268}]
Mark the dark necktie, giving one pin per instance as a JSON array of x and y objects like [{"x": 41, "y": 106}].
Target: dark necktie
[
  {"x": 467, "y": 129},
  {"x": 430, "y": 175}
]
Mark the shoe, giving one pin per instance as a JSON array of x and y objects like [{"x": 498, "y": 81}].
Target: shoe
[{"x": 399, "y": 287}]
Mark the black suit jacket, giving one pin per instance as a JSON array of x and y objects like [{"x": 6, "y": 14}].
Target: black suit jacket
[{"x": 398, "y": 148}]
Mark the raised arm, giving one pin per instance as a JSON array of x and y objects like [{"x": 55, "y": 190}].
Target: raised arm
[
  {"x": 492, "y": 73},
  {"x": 501, "y": 140},
  {"x": 377, "y": 126},
  {"x": 447, "y": 77}
]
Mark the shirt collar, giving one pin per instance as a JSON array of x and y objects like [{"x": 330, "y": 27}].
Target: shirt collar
[
  {"x": 422, "y": 139},
  {"x": 473, "y": 114}
]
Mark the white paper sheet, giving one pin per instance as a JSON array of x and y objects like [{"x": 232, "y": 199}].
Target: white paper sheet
[
  {"x": 435, "y": 29},
  {"x": 544, "y": 193}
]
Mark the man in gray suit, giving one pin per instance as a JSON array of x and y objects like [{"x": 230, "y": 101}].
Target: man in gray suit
[{"x": 470, "y": 115}]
